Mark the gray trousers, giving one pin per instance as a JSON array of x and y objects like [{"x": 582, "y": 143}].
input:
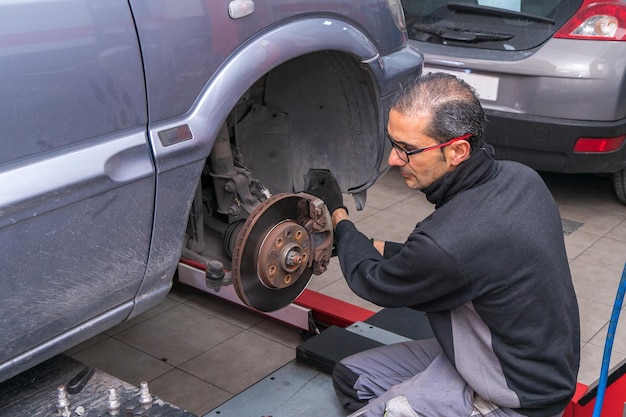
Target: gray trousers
[{"x": 410, "y": 379}]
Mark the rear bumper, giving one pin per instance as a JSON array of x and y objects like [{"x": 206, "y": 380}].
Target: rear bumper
[{"x": 546, "y": 144}]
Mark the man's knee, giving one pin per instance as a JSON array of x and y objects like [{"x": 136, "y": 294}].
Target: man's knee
[{"x": 344, "y": 381}]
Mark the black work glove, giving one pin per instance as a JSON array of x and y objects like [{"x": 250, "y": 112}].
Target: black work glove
[{"x": 323, "y": 185}]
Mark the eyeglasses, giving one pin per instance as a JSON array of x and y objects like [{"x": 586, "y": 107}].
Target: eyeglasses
[{"x": 404, "y": 154}]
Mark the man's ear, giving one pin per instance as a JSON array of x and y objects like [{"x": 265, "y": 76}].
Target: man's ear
[{"x": 459, "y": 152}]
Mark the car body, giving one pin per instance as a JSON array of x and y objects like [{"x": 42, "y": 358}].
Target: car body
[
  {"x": 551, "y": 76},
  {"x": 110, "y": 113}
]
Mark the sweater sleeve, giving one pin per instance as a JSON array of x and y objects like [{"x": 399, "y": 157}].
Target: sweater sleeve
[
  {"x": 391, "y": 249},
  {"x": 419, "y": 274}
]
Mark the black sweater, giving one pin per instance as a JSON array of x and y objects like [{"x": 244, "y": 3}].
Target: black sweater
[{"x": 489, "y": 268}]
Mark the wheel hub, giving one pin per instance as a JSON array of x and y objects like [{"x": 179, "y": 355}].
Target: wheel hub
[{"x": 283, "y": 255}]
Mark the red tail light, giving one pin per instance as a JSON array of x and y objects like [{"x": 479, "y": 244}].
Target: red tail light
[
  {"x": 597, "y": 20},
  {"x": 598, "y": 145}
]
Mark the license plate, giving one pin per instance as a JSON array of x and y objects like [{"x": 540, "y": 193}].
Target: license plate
[{"x": 486, "y": 86}]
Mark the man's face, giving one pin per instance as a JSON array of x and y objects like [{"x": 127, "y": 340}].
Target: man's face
[{"x": 424, "y": 168}]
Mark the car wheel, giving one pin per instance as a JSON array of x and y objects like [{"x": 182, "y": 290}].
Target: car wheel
[{"x": 619, "y": 185}]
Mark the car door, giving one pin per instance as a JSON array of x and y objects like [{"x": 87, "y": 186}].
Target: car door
[{"x": 76, "y": 174}]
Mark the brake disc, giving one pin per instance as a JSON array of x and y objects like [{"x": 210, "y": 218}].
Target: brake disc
[{"x": 286, "y": 239}]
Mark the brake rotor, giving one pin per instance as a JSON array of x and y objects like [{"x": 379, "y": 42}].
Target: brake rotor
[{"x": 286, "y": 239}]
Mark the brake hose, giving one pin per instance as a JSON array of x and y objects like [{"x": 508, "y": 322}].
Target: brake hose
[{"x": 608, "y": 345}]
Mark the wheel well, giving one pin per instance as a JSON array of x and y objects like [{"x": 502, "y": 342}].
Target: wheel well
[{"x": 319, "y": 110}]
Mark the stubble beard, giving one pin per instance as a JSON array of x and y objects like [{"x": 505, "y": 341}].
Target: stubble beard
[{"x": 410, "y": 180}]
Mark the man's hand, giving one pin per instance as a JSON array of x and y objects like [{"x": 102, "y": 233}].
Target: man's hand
[{"x": 323, "y": 185}]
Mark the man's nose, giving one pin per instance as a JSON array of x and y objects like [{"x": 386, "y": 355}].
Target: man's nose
[{"x": 394, "y": 159}]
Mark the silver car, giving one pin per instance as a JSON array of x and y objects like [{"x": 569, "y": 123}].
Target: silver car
[
  {"x": 551, "y": 75},
  {"x": 134, "y": 132}
]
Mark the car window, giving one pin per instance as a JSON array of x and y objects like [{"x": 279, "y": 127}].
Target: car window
[{"x": 487, "y": 24}]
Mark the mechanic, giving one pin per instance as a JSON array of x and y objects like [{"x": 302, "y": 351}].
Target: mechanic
[{"x": 488, "y": 267}]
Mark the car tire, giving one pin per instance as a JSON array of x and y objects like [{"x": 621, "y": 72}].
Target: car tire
[{"x": 619, "y": 185}]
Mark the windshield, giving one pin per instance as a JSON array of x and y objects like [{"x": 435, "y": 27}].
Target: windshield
[{"x": 487, "y": 24}]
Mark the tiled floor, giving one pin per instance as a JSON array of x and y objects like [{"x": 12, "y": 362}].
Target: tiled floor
[{"x": 198, "y": 351}]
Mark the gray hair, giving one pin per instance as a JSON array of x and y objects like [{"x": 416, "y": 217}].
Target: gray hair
[{"x": 447, "y": 102}]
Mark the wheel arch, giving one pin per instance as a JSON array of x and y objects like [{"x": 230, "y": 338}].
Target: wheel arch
[{"x": 253, "y": 60}]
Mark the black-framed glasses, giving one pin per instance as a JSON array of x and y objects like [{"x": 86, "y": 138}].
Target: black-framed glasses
[{"x": 404, "y": 154}]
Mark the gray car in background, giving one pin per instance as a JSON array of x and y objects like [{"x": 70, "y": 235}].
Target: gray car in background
[
  {"x": 551, "y": 75},
  {"x": 134, "y": 132}
]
